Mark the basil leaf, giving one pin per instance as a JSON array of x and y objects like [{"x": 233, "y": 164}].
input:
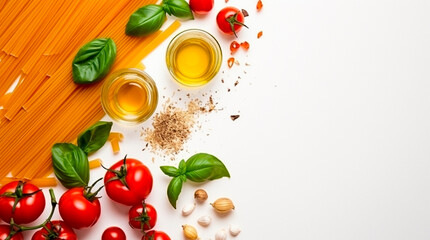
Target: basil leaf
[
  {"x": 174, "y": 189},
  {"x": 94, "y": 137},
  {"x": 203, "y": 166},
  {"x": 146, "y": 20},
  {"x": 170, "y": 171},
  {"x": 94, "y": 60},
  {"x": 182, "y": 167},
  {"x": 71, "y": 165},
  {"x": 178, "y": 8}
]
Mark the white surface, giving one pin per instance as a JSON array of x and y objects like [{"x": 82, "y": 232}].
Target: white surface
[{"x": 333, "y": 136}]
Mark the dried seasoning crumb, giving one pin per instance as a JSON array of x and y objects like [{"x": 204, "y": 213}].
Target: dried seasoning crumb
[
  {"x": 245, "y": 13},
  {"x": 259, "y": 5},
  {"x": 222, "y": 80},
  {"x": 234, "y": 117},
  {"x": 153, "y": 159},
  {"x": 141, "y": 134},
  {"x": 237, "y": 62},
  {"x": 236, "y": 83},
  {"x": 172, "y": 127},
  {"x": 228, "y": 90},
  {"x": 226, "y": 1},
  {"x": 260, "y": 34},
  {"x": 247, "y": 64}
]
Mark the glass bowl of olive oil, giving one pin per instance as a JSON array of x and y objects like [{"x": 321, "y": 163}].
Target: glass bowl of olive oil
[
  {"x": 193, "y": 57},
  {"x": 129, "y": 96}
]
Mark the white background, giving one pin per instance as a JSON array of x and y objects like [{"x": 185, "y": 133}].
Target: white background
[{"x": 333, "y": 136}]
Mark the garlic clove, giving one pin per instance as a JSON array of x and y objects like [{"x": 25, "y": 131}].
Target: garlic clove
[
  {"x": 221, "y": 235},
  {"x": 223, "y": 205},
  {"x": 188, "y": 209},
  {"x": 204, "y": 220},
  {"x": 190, "y": 232},
  {"x": 200, "y": 195},
  {"x": 235, "y": 230}
]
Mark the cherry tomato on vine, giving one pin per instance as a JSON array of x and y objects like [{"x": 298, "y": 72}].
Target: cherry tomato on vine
[
  {"x": 22, "y": 201},
  {"x": 113, "y": 233},
  {"x": 201, "y": 6},
  {"x": 5, "y": 231},
  {"x": 230, "y": 20},
  {"x": 55, "y": 230},
  {"x": 142, "y": 216},
  {"x": 155, "y": 235},
  {"x": 128, "y": 182},
  {"x": 80, "y": 208}
]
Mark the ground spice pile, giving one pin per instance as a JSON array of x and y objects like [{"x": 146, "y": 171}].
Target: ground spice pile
[{"x": 172, "y": 127}]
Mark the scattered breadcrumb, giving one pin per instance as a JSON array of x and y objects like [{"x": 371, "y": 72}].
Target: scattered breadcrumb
[
  {"x": 234, "y": 117},
  {"x": 245, "y": 13}
]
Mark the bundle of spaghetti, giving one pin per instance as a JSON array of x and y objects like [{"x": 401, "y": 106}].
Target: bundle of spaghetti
[
  {"x": 78, "y": 97},
  {"x": 46, "y": 106}
]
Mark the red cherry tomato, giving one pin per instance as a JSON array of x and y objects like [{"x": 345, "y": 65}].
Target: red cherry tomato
[
  {"x": 5, "y": 231},
  {"x": 58, "y": 230},
  {"x": 201, "y": 6},
  {"x": 230, "y": 20},
  {"x": 78, "y": 209},
  {"x": 128, "y": 182},
  {"x": 113, "y": 233},
  {"x": 29, "y": 207},
  {"x": 155, "y": 235},
  {"x": 142, "y": 216}
]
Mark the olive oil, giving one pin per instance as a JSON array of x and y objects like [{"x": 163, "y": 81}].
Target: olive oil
[
  {"x": 129, "y": 96},
  {"x": 193, "y": 57}
]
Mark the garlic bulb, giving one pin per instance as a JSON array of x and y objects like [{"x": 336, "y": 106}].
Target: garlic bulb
[
  {"x": 188, "y": 209},
  {"x": 221, "y": 235},
  {"x": 223, "y": 205},
  {"x": 204, "y": 220},
  {"x": 235, "y": 230},
  {"x": 190, "y": 232}
]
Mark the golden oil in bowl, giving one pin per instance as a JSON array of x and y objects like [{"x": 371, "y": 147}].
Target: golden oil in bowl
[
  {"x": 193, "y": 57},
  {"x": 129, "y": 96}
]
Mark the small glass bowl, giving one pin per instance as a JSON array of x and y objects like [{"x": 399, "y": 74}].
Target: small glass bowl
[
  {"x": 112, "y": 94},
  {"x": 208, "y": 44}
]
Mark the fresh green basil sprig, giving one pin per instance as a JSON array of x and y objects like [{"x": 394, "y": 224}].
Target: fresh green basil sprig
[
  {"x": 150, "y": 18},
  {"x": 93, "y": 61},
  {"x": 200, "y": 167},
  {"x": 71, "y": 166}
]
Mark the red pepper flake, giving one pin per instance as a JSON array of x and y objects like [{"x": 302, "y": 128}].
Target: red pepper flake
[
  {"x": 259, "y": 5},
  {"x": 260, "y": 33},
  {"x": 234, "y": 46},
  {"x": 230, "y": 62},
  {"x": 226, "y": 1},
  {"x": 245, "y": 45}
]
